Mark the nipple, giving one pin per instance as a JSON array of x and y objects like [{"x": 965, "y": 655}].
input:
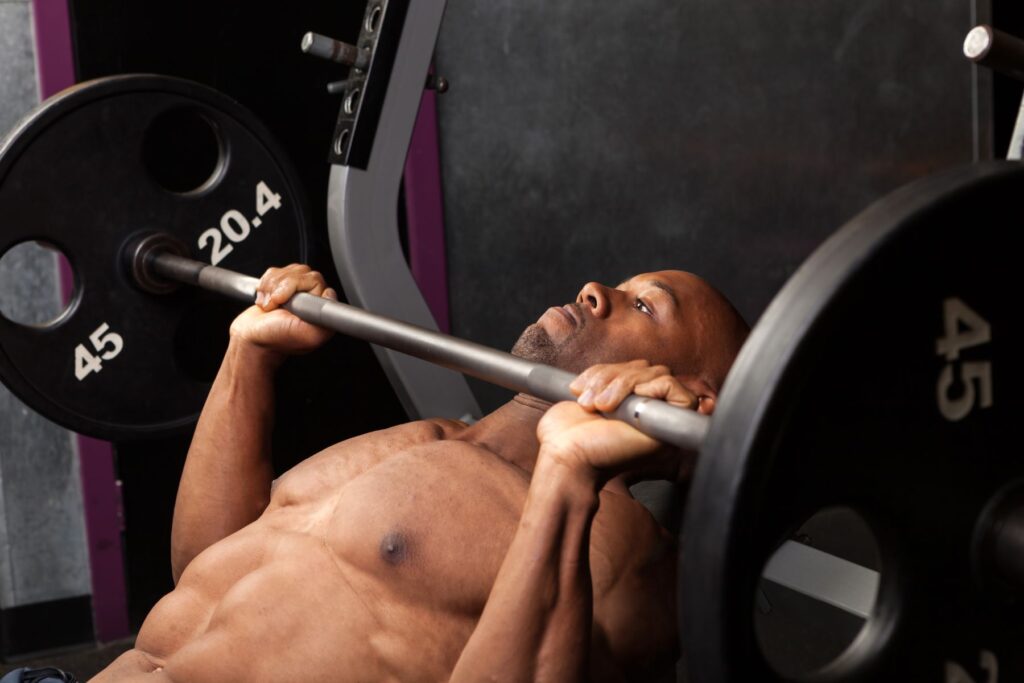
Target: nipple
[{"x": 394, "y": 548}]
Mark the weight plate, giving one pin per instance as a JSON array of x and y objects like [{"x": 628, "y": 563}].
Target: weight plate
[
  {"x": 870, "y": 382},
  {"x": 111, "y": 159}
]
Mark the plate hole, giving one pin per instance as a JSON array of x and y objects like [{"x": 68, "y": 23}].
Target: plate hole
[
  {"x": 31, "y": 278},
  {"x": 352, "y": 101},
  {"x": 817, "y": 592},
  {"x": 373, "y": 19},
  {"x": 182, "y": 151},
  {"x": 341, "y": 141}
]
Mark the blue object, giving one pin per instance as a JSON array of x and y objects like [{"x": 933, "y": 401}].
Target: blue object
[{"x": 46, "y": 675}]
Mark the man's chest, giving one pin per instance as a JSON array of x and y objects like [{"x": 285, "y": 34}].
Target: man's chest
[
  {"x": 434, "y": 524},
  {"x": 431, "y": 523}
]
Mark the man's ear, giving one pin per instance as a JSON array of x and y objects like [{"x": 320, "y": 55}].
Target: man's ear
[
  {"x": 706, "y": 395},
  {"x": 706, "y": 405}
]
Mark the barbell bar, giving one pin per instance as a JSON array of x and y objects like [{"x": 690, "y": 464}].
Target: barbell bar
[{"x": 658, "y": 419}]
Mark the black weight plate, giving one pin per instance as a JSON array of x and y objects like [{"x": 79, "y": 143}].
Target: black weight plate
[
  {"x": 98, "y": 164},
  {"x": 840, "y": 399}
]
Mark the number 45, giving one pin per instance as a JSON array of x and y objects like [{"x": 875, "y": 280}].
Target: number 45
[
  {"x": 101, "y": 338},
  {"x": 963, "y": 329}
]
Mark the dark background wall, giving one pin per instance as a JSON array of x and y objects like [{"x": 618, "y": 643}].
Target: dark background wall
[{"x": 590, "y": 141}]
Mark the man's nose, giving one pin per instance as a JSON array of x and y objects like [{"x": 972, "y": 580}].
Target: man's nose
[{"x": 597, "y": 298}]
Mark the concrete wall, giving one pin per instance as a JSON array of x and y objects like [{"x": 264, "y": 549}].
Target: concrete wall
[{"x": 43, "y": 554}]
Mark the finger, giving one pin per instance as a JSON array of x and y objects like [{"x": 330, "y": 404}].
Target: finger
[
  {"x": 598, "y": 377},
  {"x": 311, "y": 282},
  {"x": 614, "y": 393},
  {"x": 265, "y": 286},
  {"x": 304, "y": 280},
  {"x": 329, "y": 293},
  {"x": 579, "y": 385},
  {"x": 668, "y": 389},
  {"x": 283, "y": 291},
  {"x": 272, "y": 280},
  {"x": 617, "y": 387},
  {"x": 609, "y": 396}
]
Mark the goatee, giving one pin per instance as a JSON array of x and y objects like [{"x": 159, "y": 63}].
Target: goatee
[{"x": 534, "y": 344}]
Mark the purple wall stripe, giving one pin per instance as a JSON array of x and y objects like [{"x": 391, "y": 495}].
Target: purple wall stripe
[
  {"x": 425, "y": 211},
  {"x": 100, "y": 494},
  {"x": 103, "y": 523},
  {"x": 54, "y": 61}
]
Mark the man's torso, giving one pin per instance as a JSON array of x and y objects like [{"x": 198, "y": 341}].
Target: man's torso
[{"x": 373, "y": 562}]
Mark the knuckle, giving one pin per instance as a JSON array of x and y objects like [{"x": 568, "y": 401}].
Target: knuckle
[
  {"x": 269, "y": 276},
  {"x": 618, "y": 385}
]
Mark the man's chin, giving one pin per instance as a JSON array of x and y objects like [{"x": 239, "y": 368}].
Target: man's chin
[{"x": 536, "y": 345}]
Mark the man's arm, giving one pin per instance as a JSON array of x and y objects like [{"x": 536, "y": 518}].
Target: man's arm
[
  {"x": 537, "y": 623},
  {"x": 226, "y": 481},
  {"x": 225, "y": 484}
]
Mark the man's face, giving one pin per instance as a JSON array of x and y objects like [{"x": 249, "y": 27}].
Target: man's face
[{"x": 654, "y": 316}]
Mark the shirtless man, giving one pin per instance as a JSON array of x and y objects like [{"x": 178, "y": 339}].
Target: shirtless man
[{"x": 435, "y": 551}]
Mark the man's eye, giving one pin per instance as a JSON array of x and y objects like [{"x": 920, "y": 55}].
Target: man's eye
[{"x": 642, "y": 307}]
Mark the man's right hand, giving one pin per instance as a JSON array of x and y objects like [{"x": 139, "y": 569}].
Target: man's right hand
[{"x": 268, "y": 326}]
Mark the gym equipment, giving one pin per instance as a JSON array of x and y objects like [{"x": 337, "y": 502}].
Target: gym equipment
[
  {"x": 874, "y": 381},
  {"x": 880, "y": 379},
  {"x": 335, "y": 51},
  {"x": 368, "y": 152},
  {"x": 126, "y": 155},
  {"x": 1002, "y": 52}
]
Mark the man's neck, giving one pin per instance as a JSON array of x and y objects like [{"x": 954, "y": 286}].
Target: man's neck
[{"x": 510, "y": 431}]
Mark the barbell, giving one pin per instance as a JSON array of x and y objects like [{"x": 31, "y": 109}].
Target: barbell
[{"x": 881, "y": 378}]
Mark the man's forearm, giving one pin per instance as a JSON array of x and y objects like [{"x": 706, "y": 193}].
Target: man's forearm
[
  {"x": 536, "y": 625},
  {"x": 226, "y": 480}
]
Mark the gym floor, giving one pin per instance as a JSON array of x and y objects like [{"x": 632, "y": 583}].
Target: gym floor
[{"x": 84, "y": 662}]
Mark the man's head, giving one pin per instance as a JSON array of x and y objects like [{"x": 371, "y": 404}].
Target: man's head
[{"x": 669, "y": 318}]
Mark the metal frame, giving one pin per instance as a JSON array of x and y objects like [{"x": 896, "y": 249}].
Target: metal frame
[{"x": 363, "y": 225}]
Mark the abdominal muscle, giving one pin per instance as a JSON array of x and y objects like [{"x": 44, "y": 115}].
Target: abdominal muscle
[
  {"x": 303, "y": 593},
  {"x": 298, "y": 615}
]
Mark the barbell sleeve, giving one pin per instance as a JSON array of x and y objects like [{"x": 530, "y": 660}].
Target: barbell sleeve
[
  {"x": 335, "y": 51},
  {"x": 987, "y": 46},
  {"x": 658, "y": 419}
]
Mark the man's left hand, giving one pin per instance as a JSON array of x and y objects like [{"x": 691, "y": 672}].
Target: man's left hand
[
  {"x": 603, "y": 387},
  {"x": 573, "y": 435}
]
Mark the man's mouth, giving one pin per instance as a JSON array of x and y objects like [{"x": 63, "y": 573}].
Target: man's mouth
[
  {"x": 569, "y": 315},
  {"x": 570, "y": 311}
]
